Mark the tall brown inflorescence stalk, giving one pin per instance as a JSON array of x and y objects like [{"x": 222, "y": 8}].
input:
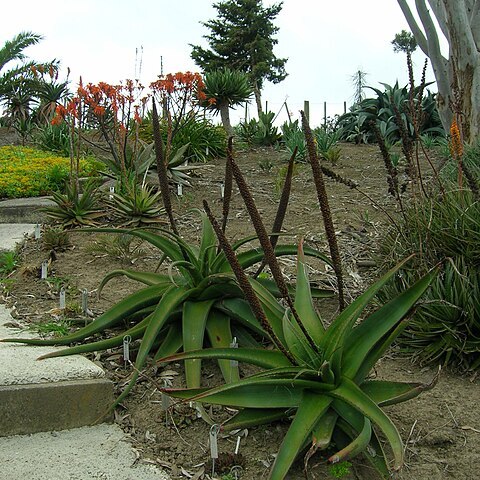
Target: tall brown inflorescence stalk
[
  {"x": 162, "y": 168},
  {"x": 325, "y": 208},
  {"x": 244, "y": 283},
  {"x": 264, "y": 239},
  {"x": 227, "y": 185},
  {"x": 282, "y": 208}
]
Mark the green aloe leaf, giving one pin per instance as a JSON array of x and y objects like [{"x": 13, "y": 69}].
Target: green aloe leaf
[
  {"x": 240, "y": 310},
  {"x": 194, "y": 320},
  {"x": 323, "y": 430},
  {"x": 384, "y": 392},
  {"x": 304, "y": 303},
  {"x": 353, "y": 395},
  {"x": 208, "y": 245},
  {"x": 358, "y": 445},
  {"x": 244, "y": 337},
  {"x": 315, "y": 292},
  {"x": 119, "y": 312},
  {"x": 251, "y": 417},
  {"x": 253, "y": 393},
  {"x": 255, "y": 356},
  {"x": 297, "y": 344},
  {"x": 172, "y": 342},
  {"x": 272, "y": 308},
  {"x": 220, "y": 336},
  {"x": 251, "y": 257},
  {"x": 147, "y": 278},
  {"x": 135, "y": 332},
  {"x": 365, "y": 336},
  {"x": 170, "y": 300},
  {"x": 332, "y": 342},
  {"x": 312, "y": 407}
]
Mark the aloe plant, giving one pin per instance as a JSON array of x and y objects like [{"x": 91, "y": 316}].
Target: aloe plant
[
  {"x": 137, "y": 205},
  {"x": 200, "y": 302},
  {"x": 319, "y": 376},
  {"x": 75, "y": 209}
]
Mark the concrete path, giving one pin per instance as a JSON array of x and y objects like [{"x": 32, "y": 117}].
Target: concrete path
[
  {"x": 52, "y": 397},
  {"x": 13, "y": 233},
  {"x": 87, "y": 453}
]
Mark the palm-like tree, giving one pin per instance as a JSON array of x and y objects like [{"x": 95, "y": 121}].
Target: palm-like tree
[
  {"x": 226, "y": 88},
  {"x": 13, "y": 49},
  {"x": 12, "y": 81}
]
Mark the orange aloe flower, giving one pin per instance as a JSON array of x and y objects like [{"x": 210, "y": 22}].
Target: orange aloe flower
[{"x": 456, "y": 144}]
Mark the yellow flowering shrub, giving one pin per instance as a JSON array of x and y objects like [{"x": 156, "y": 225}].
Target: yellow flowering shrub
[{"x": 29, "y": 172}]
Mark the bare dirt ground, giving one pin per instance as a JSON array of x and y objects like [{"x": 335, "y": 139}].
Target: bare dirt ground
[{"x": 440, "y": 428}]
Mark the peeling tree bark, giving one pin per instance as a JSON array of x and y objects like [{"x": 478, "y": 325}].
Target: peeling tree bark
[{"x": 458, "y": 77}]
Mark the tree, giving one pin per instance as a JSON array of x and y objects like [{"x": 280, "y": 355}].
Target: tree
[
  {"x": 24, "y": 84},
  {"x": 458, "y": 77},
  {"x": 242, "y": 38},
  {"x": 225, "y": 88},
  {"x": 404, "y": 42}
]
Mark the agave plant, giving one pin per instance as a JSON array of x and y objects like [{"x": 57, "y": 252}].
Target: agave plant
[
  {"x": 318, "y": 376},
  {"x": 357, "y": 124}
]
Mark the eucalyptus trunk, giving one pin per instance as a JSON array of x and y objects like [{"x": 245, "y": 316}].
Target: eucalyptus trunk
[{"x": 458, "y": 77}]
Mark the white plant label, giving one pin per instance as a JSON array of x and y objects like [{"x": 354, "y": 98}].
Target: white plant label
[
  {"x": 44, "y": 269},
  {"x": 37, "y": 231},
  {"x": 213, "y": 437},
  {"x": 62, "y": 298},
  {"x": 234, "y": 344},
  {"x": 127, "y": 339},
  {"x": 85, "y": 301}
]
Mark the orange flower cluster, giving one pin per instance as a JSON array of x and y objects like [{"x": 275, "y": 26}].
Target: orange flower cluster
[
  {"x": 184, "y": 83},
  {"x": 102, "y": 97},
  {"x": 456, "y": 144}
]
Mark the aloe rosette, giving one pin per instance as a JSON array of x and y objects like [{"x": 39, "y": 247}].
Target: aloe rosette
[
  {"x": 323, "y": 383},
  {"x": 197, "y": 302}
]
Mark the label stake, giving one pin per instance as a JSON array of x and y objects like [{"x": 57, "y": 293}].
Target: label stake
[
  {"x": 127, "y": 339},
  {"x": 44, "y": 269},
  {"x": 213, "y": 437},
  {"x": 62, "y": 298}
]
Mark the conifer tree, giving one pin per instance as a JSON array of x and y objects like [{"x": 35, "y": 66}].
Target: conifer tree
[{"x": 242, "y": 38}]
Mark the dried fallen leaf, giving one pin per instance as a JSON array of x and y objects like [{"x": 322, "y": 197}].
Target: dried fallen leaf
[{"x": 466, "y": 427}]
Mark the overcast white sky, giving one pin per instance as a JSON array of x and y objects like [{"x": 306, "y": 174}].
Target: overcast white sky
[{"x": 325, "y": 42}]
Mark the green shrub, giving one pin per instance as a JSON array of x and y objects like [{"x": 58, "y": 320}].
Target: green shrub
[
  {"x": 293, "y": 138},
  {"x": 261, "y": 132},
  {"x": 205, "y": 140},
  {"x": 8, "y": 263},
  {"x": 29, "y": 172},
  {"x": 54, "y": 138},
  {"x": 446, "y": 326}
]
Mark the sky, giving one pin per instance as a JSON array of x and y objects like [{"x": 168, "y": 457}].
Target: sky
[{"x": 325, "y": 42}]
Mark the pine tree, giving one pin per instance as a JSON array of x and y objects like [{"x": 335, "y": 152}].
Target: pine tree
[{"x": 242, "y": 38}]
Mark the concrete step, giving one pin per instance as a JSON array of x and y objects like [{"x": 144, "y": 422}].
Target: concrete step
[
  {"x": 24, "y": 210},
  {"x": 52, "y": 394}
]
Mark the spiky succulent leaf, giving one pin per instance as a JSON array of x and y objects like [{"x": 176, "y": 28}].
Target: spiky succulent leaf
[
  {"x": 194, "y": 320},
  {"x": 311, "y": 409}
]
